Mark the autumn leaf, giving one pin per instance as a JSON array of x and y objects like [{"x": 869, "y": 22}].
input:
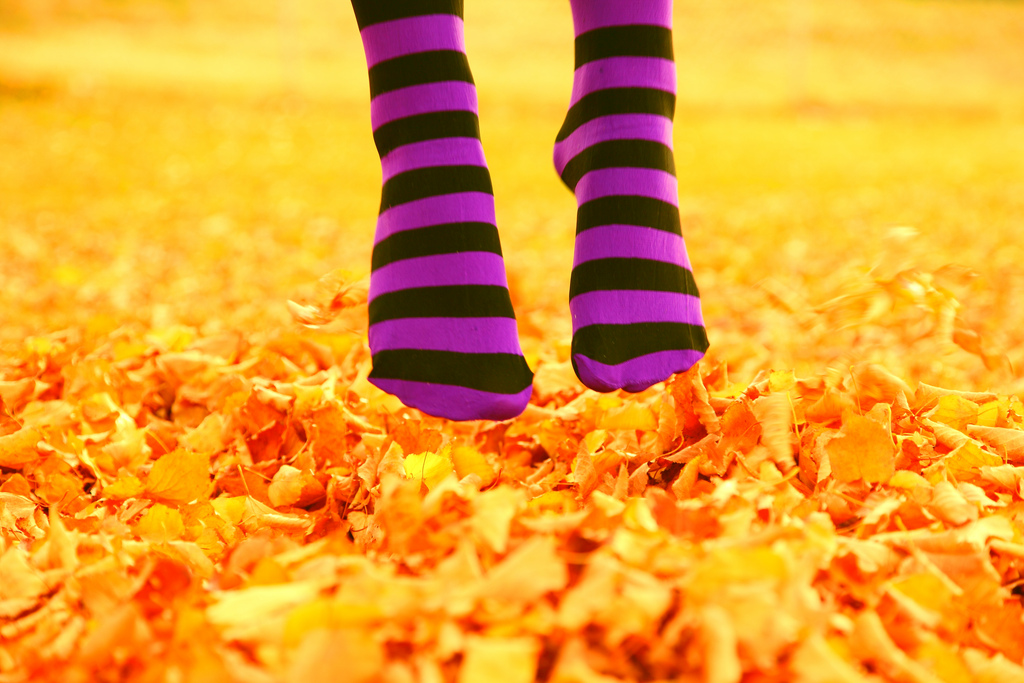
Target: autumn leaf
[
  {"x": 429, "y": 468},
  {"x": 160, "y": 524},
  {"x": 19, "y": 449},
  {"x": 501, "y": 660},
  {"x": 469, "y": 461},
  {"x": 1007, "y": 441},
  {"x": 863, "y": 450},
  {"x": 181, "y": 476},
  {"x": 335, "y": 292},
  {"x": 336, "y": 656},
  {"x": 530, "y": 571}
]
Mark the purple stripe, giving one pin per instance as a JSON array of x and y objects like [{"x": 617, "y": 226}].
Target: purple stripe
[
  {"x": 636, "y": 374},
  {"x": 464, "y": 268},
  {"x": 455, "y": 403},
  {"x": 630, "y": 241},
  {"x": 443, "y": 152},
  {"x": 640, "y": 182},
  {"x": 464, "y": 335},
  {"x": 462, "y": 207},
  {"x": 586, "y": 16},
  {"x": 422, "y": 99},
  {"x": 415, "y": 34},
  {"x": 613, "y": 127},
  {"x": 622, "y": 307},
  {"x": 623, "y": 72}
]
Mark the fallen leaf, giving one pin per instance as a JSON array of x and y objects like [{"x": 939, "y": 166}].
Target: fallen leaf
[{"x": 863, "y": 450}]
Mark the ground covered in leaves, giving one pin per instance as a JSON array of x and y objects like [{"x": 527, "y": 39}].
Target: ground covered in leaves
[
  {"x": 197, "y": 483},
  {"x": 180, "y": 507}
]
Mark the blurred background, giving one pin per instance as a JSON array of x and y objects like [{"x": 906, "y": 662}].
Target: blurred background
[{"x": 851, "y": 171}]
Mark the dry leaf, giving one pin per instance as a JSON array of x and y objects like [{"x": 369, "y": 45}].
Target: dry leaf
[
  {"x": 863, "y": 450},
  {"x": 1009, "y": 442},
  {"x": 530, "y": 571},
  {"x": 19, "y": 449},
  {"x": 501, "y": 660},
  {"x": 181, "y": 476}
]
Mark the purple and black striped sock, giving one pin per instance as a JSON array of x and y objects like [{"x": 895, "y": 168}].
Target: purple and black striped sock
[
  {"x": 635, "y": 308},
  {"x": 442, "y": 330}
]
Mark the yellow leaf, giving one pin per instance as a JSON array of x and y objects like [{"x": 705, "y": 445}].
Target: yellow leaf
[
  {"x": 630, "y": 416},
  {"x": 967, "y": 459},
  {"x": 126, "y": 486},
  {"x": 1002, "y": 440},
  {"x": 863, "y": 450},
  {"x": 429, "y": 468},
  {"x": 559, "y": 502},
  {"x": 230, "y": 508},
  {"x": 905, "y": 479},
  {"x": 781, "y": 380},
  {"x": 925, "y": 589},
  {"x": 944, "y": 661},
  {"x": 19, "y": 449},
  {"x": 468, "y": 460},
  {"x": 328, "y": 613},
  {"x": 499, "y": 660},
  {"x": 988, "y": 414},
  {"x": 955, "y": 411},
  {"x": 727, "y": 566},
  {"x": 160, "y": 524},
  {"x": 594, "y": 440},
  {"x": 181, "y": 476}
]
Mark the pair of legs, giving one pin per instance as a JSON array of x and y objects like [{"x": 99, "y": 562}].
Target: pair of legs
[{"x": 442, "y": 330}]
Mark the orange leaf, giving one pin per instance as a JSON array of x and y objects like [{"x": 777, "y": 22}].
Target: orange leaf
[
  {"x": 532, "y": 570},
  {"x": 863, "y": 450},
  {"x": 19, "y": 449},
  {"x": 181, "y": 476}
]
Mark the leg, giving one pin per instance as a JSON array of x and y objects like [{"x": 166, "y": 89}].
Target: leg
[
  {"x": 442, "y": 331},
  {"x": 635, "y": 308}
]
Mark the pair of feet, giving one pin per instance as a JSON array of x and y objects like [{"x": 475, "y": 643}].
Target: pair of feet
[{"x": 442, "y": 330}]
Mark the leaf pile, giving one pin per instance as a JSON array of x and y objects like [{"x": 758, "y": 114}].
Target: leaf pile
[{"x": 183, "y": 507}]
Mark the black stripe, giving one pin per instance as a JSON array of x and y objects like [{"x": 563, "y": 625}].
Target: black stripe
[
  {"x": 433, "y": 126},
  {"x": 418, "y": 68},
  {"x": 614, "y": 344},
  {"x": 617, "y": 101},
  {"x": 630, "y": 273},
  {"x": 628, "y": 210},
  {"x": 455, "y": 301},
  {"x": 624, "y": 41},
  {"x": 618, "y": 154},
  {"x": 370, "y": 12},
  {"x": 449, "y": 238},
  {"x": 500, "y": 373},
  {"x": 433, "y": 181}
]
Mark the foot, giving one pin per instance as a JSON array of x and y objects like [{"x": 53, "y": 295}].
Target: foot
[
  {"x": 635, "y": 308},
  {"x": 442, "y": 330}
]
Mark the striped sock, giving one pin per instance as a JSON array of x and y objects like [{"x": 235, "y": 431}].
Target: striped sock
[
  {"x": 442, "y": 331},
  {"x": 635, "y": 309}
]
